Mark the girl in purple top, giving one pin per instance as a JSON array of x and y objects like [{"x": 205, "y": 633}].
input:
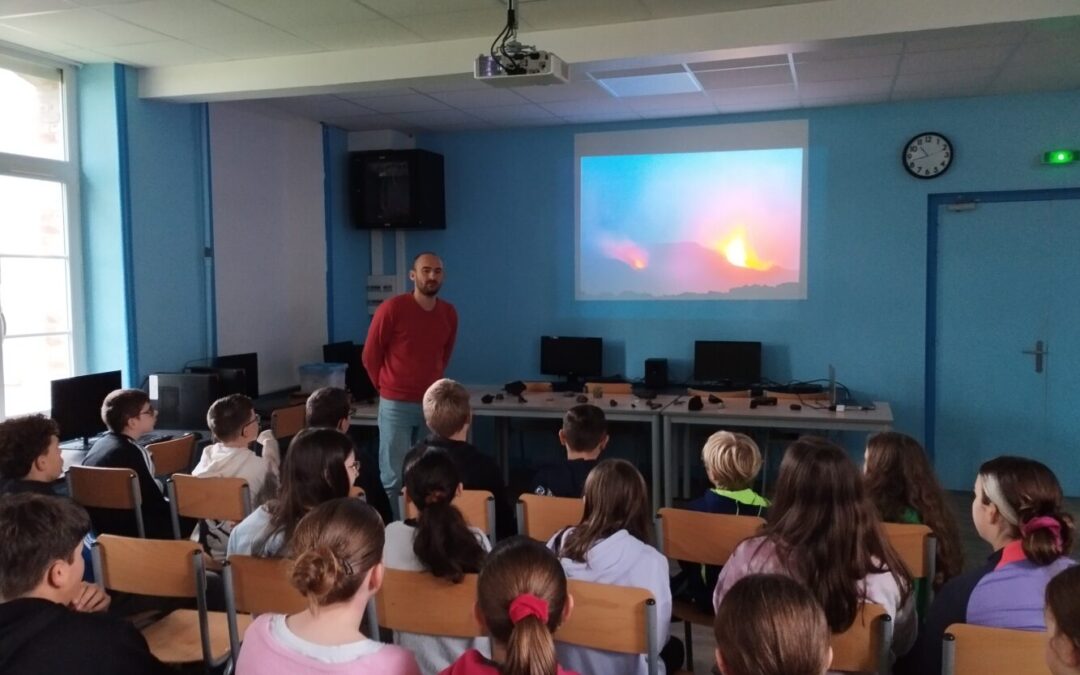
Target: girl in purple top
[
  {"x": 1018, "y": 510},
  {"x": 338, "y": 552}
]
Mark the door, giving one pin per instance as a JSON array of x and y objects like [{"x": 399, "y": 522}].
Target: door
[{"x": 1007, "y": 375}]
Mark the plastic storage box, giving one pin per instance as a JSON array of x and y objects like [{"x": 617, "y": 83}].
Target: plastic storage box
[{"x": 318, "y": 375}]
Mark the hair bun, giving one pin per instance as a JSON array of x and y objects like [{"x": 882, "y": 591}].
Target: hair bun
[{"x": 316, "y": 572}]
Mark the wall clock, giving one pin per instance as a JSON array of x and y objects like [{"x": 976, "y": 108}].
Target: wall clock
[{"x": 927, "y": 155}]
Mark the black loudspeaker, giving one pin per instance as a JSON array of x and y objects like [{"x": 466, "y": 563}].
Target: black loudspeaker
[
  {"x": 396, "y": 189},
  {"x": 656, "y": 373}
]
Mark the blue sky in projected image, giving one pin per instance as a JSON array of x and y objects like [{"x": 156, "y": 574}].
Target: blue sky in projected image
[{"x": 734, "y": 216}]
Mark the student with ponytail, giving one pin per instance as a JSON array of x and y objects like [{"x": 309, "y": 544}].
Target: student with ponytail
[
  {"x": 337, "y": 549},
  {"x": 1018, "y": 510},
  {"x": 440, "y": 542},
  {"x": 521, "y": 601}
]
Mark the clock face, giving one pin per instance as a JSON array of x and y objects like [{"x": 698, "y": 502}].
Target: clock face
[{"x": 927, "y": 155}]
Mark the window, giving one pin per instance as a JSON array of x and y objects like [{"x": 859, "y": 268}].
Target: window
[{"x": 39, "y": 201}]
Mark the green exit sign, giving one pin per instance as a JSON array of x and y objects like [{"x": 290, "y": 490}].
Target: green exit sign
[{"x": 1060, "y": 156}]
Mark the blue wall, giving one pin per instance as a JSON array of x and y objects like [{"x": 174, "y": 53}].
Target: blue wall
[
  {"x": 509, "y": 245},
  {"x": 348, "y": 249}
]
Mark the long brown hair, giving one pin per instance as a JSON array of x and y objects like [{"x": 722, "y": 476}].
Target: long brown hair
[
  {"x": 1063, "y": 603},
  {"x": 898, "y": 478},
  {"x": 443, "y": 541},
  {"x": 519, "y": 566},
  {"x": 770, "y": 624},
  {"x": 827, "y": 532},
  {"x": 1032, "y": 491},
  {"x": 615, "y": 499},
  {"x": 334, "y": 546}
]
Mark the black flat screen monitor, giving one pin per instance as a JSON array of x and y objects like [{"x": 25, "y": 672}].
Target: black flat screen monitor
[
  {"x": 736, "y": 363},
  {"x": 76, "y": 403},
  {"x": 571, "y": 357},
  {"x": 229, "y": 380},
  {"x": 249, "y": 363},
  {"x": 356, "y": 377}
]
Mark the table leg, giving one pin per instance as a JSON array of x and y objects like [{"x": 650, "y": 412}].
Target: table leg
[
  {"x": 502, "y": 428},
  {"x": 669, "y": 451},
  {"x": 684, "y": 457},
  {"x": 654, "y": 427}
]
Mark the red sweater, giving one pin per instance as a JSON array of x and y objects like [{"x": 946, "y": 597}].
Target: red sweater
[
  {"x": 473, "y": 663},
  {"x": 408, "y": 347}
]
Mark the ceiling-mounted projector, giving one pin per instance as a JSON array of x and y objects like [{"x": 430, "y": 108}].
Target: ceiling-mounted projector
[{"x": 512, "y": 64}]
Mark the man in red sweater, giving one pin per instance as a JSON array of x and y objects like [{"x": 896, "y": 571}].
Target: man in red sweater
[{"x": 408, "y": 346}]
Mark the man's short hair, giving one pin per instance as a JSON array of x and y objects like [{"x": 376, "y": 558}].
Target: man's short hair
[
  {"x": 584, "y": 427},
  {"x": 22, "y": 440},
  {"x": 446, "y": 407},
  {"x": 421, "y": 255},
  {"x": 37, "y": 530},
  {"x": 732, "y": 461},
  {"x": 327, "y": 406},
  {"x": 122, "y": 405},
  {"x": 228, "y": 416}
]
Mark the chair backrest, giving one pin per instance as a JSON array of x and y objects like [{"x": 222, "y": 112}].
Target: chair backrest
[
  {"x": 406, "y": 599},
  {"x": 609, "y": 388},
  {"x": 916, "y": 546},
  {"x": 974, "y": 650},
  {"x": 706, "y": 538},
  {"x": 261, "y": 585},
  {"x": 865, "y": 647},
  {"x": 478, "y": 507},
  {"x": 541, "y": 517},
  {"x": 162, "y": 567},
  {"x": 357, "y": 491},
  {"x": 287, "y": 422},
  {"x": 106, "y": 488},
  {"x": 172, "y": 456},
  {"x": 210, "y": 498},
  {"x": 613, "y": 618},
  {"x": 792, "y": 396}
]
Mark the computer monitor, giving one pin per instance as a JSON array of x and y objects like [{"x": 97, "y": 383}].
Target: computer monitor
[
  {"x": 249, "y": 363},
  {"x": 571, "y": 357},
  {"x": 356, "y": 377},
  {"x": 229, "y": 380},
  {"x": 182, "y": 399},
  {"x": 735, "y": 363},
  {"x": 76, "y": 403}
]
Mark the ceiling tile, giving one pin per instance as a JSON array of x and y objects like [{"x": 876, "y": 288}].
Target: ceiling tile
[
  {"x": 588, "y": 117},
  {"x": 574, "y": 91},
  {"x": 404, "y": 103},
  {"x": 286, "y": 14},
  {"x": 742, "y": 106},
  {"x": 444, "y": 83},
  {"x": 674, "y": 113},
  {"x": 642, "y": 104},
  {"x": 398, "y": 8},
  {"x": 954, "y": 59},
  {"x": 875, "y": 86},
  {"x": 592, "y": 106},
  {"x": 772, "y": 94},
  {"x": 80, "y": 55},
  {"x": 848, "y": 99},
  {"x": 319, "y": 107},
  {"x": 164, "y": 53},
  {"x": 365, "y": 122},
  {"x": 17, "y": 7},
  {"x": 185, "y": 20},
  {"x": 435, "y": 118},
  {"x": 551, "y": 14},
  {"x": 102, "y": 3},
  {"x": 248, "y": 45},
  {"x": 41, "y": 43},
  {"x": 364, "y": 94},
  {"x": 745, "y": 77},
  {"x": 671, "y": 8},
  {"x": 943, "y": 84},
  {"x": 668, "y": 84},
  {"x": 849, "y": 49},
  {"x": 1043, "y": 53},
  {"x": 84, "y": 28},
  {"x": 479, "y": 98},
  {"x": 968, "y": 37},
  {"x": 1024, "y": 79},
  {"x": 455, "y": 25},
  {"x": 846, "y": 69},
  {"x": 512, "y": 114},
  {"x": 777, "y": 60},
  {"x": 362, "y": 35}
]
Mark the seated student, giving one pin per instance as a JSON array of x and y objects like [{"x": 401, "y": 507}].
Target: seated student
[
  {"x": 438, "y": 541},
  {"x": 30, "y": 458},
  {"x": 320, "y": 466},
  {"x": 42, "y": 570},
  {"x": 904, "y": 489},
  {"x": 448, "y": 416},
  {"x": 611, "y": 545},
  {"x": 771, "y": 624},
  {"x": 521, "y": 599},
  {"x": 337, "y": 548},
  {"x": 234, "y": 424},
  {"x": 1018, "y": 510},
  {"x": 1063, "y": 623},
  {"x": 584, "y": 434},
  {"x": 331, "y": 407},
  {"x": 732, "y": 463},
  {"x": 824, "y": 532},
  {"x": 127, "y": 414}
]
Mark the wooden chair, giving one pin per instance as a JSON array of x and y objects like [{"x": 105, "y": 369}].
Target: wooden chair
[
  {"x": 255, "y": 586},
  {"x": 171, "y": 569},
  {"x": 406, "y": 599},
  {"x": 209, "y": 498},
  {"x": 287, "y": 422},
  {"x": 609, "y": 388},
  {"x": 703, "y": 538},
  {"x": 102, "y": 488},
  {"x": 917, "y": 547},
  {"x": 866, "y": 646},
  {"x": 971, "y": 650},
  {"x": 478, "y": 507},
  {"x": 172, "y": 456},
  {"x": 613, "y": 618},
  {"x": 541, "y": 517}
]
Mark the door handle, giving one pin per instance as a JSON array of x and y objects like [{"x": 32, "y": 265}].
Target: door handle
[{"x": 1039, "y": 352}]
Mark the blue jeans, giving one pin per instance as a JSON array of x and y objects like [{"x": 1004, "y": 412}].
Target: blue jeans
[{"x": 401, "y": 425}]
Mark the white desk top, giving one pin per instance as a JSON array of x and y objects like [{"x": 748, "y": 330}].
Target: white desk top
[
  {"x": 555, "y": 404},
  {"x": 737, "y": 412}
]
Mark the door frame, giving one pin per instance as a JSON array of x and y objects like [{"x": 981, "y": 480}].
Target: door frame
[{"x": 934, "y": 202}]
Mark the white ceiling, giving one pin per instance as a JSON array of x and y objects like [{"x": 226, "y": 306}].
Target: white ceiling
[{"x": 408, "y": 59}]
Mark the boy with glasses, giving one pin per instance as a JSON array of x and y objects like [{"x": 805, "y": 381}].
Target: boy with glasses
[
  {"x": 235, "y": 425},
  {"x": 127, "y": 414}
]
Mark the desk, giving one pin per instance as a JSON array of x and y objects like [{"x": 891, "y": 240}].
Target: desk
[
  {"x": 553, "y": 405},
  {"x": 365, "y": 415},
  {"x": 738, "y": 413}
]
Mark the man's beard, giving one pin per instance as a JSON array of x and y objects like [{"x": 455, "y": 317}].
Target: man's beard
[{"x": 430, "y": 290}]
